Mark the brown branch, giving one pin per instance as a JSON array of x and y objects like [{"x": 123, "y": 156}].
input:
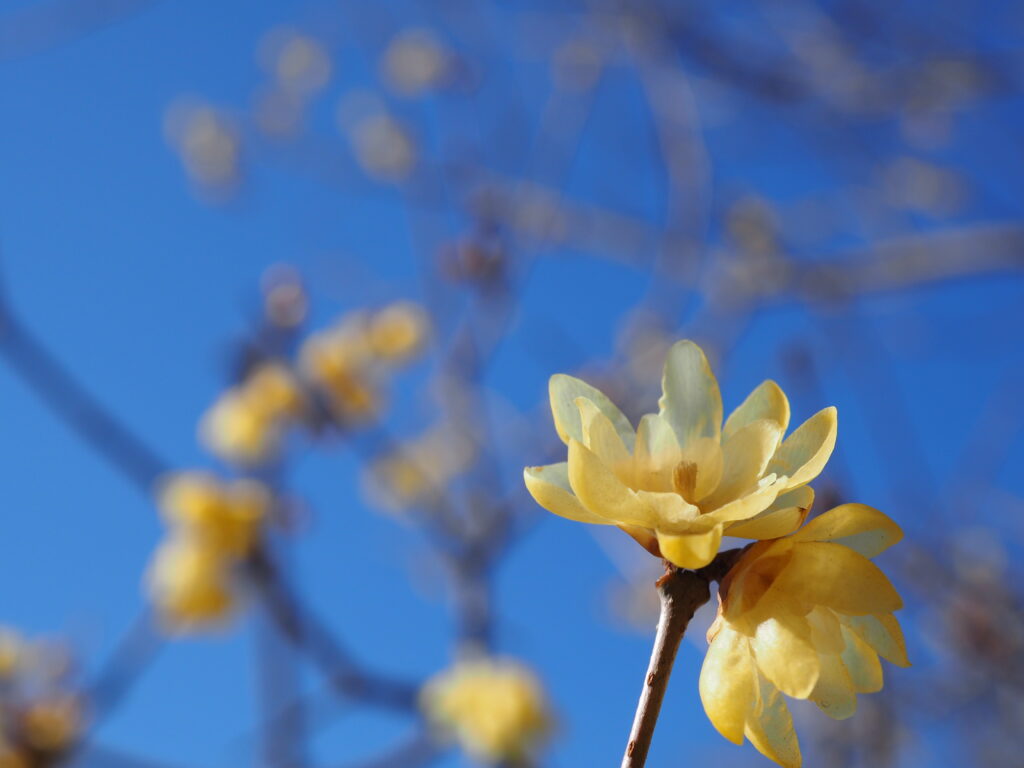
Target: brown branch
[{"x": 681, "y": 593}]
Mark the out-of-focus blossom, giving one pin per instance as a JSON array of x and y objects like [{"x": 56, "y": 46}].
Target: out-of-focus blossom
[
  {"x": 190, "y": 583},
  {"x": 420, "y": 469},
  {"x": 398, "y": 331},
  {"x": 12, "y": 653},
  {"x": 494, "y": 709},
  {"x": 225, "y": 516},
  {"x": 682, "y": 479},
  {"x": 298, "y": 63},
  {"x": 414, "y": 62},
  {"x": 383, "y": 147},
  {"x": 284, "y": 296},
  {"x": 245, "y": 424},
  {"x": 807, "y": 616},
  {"x": 346, "y": 362},
  {"x": 208, "y": 144},
  {"x": 51, "y": 724}
]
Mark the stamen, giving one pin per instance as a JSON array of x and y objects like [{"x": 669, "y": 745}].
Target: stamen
[{"x": 684, "y": 478}]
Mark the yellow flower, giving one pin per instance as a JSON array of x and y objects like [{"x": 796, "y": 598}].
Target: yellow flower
[
  {"x": 225, "y": 516},
  {"x": 189, "y": 581},
  {"x": 51, "y": 725},
  {"x": 398, "y": 331},
  {"x": 10, "y": 758},
  {"x": 337, "y": 362},
  {"x": 807, "y": 616},
  {"x": 245, "y": 424},
  {"x": 495, "y": 709},
  {"x": 12, "y": 652},
  {"x": 682, "y": 479}
]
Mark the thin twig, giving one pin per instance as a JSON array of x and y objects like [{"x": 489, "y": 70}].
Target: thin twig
[{"x": 681, "y": 594}]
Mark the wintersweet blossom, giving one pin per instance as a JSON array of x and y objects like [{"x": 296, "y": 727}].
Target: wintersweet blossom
[
  {"x": 494, "y": 708},
  {"x": 245, "y": 424},
  {"x": 214, "y": 524},
  {"x": 807, "y": 616},
  {"x": 190, "y": 583},
  {"x": 682, "y": 479}
]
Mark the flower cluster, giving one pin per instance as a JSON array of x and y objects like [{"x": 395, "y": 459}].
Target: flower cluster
[
  {"x": 40, "y": 717},
  {"x": 213, "y": 526},
  {"x": 803, "y": 612},
  {"x": 340, "y": 368},
  {"x": 494, "y": 708}
]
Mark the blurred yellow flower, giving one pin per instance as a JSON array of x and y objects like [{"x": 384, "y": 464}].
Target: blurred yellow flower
[
  {"x": 419, "y": 469},
  {"x": 398, "y": 331},
  {"x": 11, "y": 653},
  {"x": 682, "y": 479},
  {"x": 225, "y": 516},
  {"x": 51, "y": 724},
  {"x": 10, "y": 758},
  {"x": 245, "y": 424},
  {"x": 189, "y": 582},
  {"x": 495, "y": 709},
  {"x": 414, "y": 61},
  {"x": 807, "y": 616}
]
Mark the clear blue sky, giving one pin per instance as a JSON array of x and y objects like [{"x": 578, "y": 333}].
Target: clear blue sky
[{"x": 139, "y": 286}]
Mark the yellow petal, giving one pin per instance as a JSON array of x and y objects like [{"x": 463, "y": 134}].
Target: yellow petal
[
  {"x": 771, "y": 729},
  {"x": 728, "y": 682},
  {"x": 883, "y": 634},
  {"x": 744, "y": 458},
  {"x": 785, "y": 658},
  {"x": 821, "y": 573},
  {"x": 857, "y": 526},
  {"x": 599, "y": 435},
  {"x": 862, "y": 664},
  {"x": 803, "y": 454},
  {"x": 563, "y": 391},
  {"x": 690, "y": 400},
  {"x": 690, "y": 550},
  {"x": 601, "y": 492},
  {"x": 745, "y": 507},
  {"x": 549, "y": 486},
  {"x": 834, "y": 692},
  {"x": 785, "y": 515},
  {"x": 767, "y": 401},
  {"x": 656, "y": 454},
  {"x": 826, "y": 631},
  {"x": 705, "y": 454}
]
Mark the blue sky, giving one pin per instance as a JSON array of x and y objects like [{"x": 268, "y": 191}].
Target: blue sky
[{"x": 139, "y": 287}]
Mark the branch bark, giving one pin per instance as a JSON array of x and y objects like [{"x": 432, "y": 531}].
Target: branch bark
[{"x": 681, "y": 593}]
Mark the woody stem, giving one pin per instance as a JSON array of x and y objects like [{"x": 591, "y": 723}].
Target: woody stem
[{"x": 681, "y": 593}]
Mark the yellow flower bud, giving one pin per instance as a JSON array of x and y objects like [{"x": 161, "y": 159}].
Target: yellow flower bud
[
  {"x": 238, "y": 429},
  {"x": 51, "y": 724},
  {"x": 495, "y": 709},
  {"x": 398, "y": 331},
  {"x": 189, "y": 582},
  {"x": 226, "y": 516}
]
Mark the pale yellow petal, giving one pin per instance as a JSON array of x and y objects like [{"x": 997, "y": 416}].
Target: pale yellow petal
[
  {"x": 744, "y": 458},
  {"x": 770, "y": 730},
  {"x": 753, "y": 503},
  {"x": 690, "y": 401},
  {"x": 563, "y": 391},
  {"x": 549, "y": 486},
  {"x": 599, "y": 435},
  {"x": 826, "y": 631},
  {"x": 601, "y": 492},
  {"x": 785, "y": 515},
  {"x": 690, "y": 550},
  {"x": 862, "y": 663},
  {"x": 883, "y": 634},
  {"x": 803, "y": 454},
  {"x": 821, "y": 573},
  {"x": 656, "y": 454},
  {"x": 767, "y": 401},
  {"x": 857, "y": 526},
  {"x": 728, "y": 683},
  {"x": 784, "y": 657},
  {"x": 834, "y": 692},
  {"x": 705, "y": 456}
]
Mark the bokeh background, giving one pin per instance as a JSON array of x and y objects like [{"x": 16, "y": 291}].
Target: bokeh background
[{"x": 824, "y": 193}]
